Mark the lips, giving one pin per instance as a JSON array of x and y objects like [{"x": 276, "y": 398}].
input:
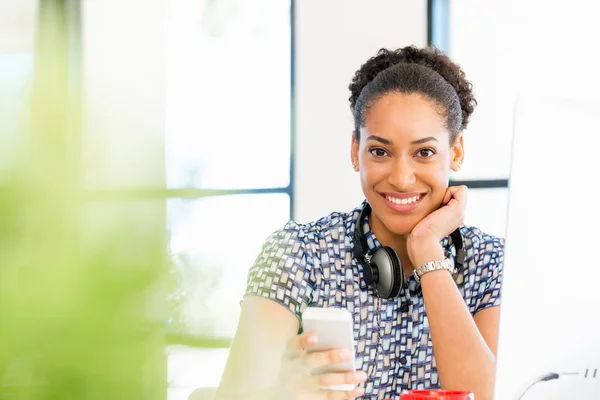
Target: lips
[{"x": 402, "y": 202}]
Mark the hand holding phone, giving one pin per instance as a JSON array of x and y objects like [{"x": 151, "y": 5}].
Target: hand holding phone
[
  {"x": 301, "y": 362},
  {"x": 333, "y": 328}
]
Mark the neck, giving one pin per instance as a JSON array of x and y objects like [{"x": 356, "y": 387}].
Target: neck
[{"x": 393, "y": 240}]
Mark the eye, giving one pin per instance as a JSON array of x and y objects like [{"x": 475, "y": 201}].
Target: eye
[
  {"x": 378, "y": 152},
  {"x": 425, "y": 153}
]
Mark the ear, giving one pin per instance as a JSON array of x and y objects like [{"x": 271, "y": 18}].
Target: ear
[
  {"x": 457, "y": 153},
  {"x": 354, "y": 146}
]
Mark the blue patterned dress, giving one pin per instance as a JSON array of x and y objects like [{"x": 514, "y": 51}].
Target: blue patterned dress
[{"x": 312, "y": 265}]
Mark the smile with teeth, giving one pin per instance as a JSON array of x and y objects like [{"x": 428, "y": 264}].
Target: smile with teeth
[{"x": 408, "y": 200}]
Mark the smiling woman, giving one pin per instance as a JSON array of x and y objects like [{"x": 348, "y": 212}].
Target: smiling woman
[
  {"x": 404, "y": 159},
  {"x": 437, "y": 326}
]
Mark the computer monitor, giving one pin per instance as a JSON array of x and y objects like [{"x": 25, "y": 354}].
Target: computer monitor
[{"x": 550, "y": 313}]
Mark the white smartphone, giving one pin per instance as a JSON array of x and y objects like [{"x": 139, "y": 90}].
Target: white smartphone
[{"x": 334, "y": 330}]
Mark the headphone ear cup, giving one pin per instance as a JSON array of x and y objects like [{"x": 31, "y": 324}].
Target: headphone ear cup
[
  {"x": 369, "y": 274},
  {"x": 391, "y": 276}
]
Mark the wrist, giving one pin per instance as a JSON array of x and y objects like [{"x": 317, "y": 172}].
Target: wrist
[{"x": 423, "y": 250}]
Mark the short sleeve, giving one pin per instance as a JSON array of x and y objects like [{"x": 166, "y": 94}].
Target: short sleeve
[
  {"x": 490, "y": 267},
  {"x": 281, "y": 272}
]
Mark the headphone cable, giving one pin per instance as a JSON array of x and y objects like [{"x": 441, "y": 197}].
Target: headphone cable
[{"x": 547, "y": 377}]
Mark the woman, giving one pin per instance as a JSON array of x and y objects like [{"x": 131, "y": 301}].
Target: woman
[{"x": 410, "y": 107}]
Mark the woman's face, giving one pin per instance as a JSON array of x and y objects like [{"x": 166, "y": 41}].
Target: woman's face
[{"x": 404, "y": 158}]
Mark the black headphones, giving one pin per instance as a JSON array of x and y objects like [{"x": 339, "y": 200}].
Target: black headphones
[{"x": 382, "y": 269}]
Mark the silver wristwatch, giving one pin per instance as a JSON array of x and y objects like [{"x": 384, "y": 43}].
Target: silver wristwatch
[{"x": 433, "y": 266}]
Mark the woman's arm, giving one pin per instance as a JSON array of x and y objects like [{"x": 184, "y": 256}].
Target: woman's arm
[
  {"x": 464, "y": 346},
  {"x": 254, "y": 362},
  {"x": 268, "y": 360}
]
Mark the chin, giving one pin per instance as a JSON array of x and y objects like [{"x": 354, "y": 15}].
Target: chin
[
  {"x": 396, "y": 224},
  {"x": 399, "y": 228}
]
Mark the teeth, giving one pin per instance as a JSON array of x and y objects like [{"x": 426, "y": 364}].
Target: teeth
[{"x": 403, "y": 201}]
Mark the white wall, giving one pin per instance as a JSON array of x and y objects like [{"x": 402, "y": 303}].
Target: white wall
[
  {"x": 550, "y": 317},
  {"x": 124, "y": 74},
  {"x": 519, "y": 48},
  {"x": 123, "y": 118},
  {"x": 17, "y": 25},
  {"x": 532, "y": 50},
  {"x": 333, "y": 39}
]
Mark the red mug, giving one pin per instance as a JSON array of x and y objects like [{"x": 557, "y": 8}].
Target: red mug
[{"x": 436, "y": 395}]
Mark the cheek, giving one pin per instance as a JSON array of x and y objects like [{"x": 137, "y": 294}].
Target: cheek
[
  {"x": 437, "y": 172},
  {"x": 437, "y": 179},
  {"x": 372, "y": 172}
]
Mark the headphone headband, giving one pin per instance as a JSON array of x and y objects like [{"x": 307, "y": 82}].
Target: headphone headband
[{"x": 361, "y": 247}]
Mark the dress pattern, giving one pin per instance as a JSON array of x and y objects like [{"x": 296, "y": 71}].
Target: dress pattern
[{"x": 312, "y": 264}]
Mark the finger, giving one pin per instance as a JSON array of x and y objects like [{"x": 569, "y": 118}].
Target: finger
[
  {"x": 447, "y": 196},
  {"x": 460, "y": 194},
  {"x": 312, "y": 387},
  {"x": 455, "y": 192},
  {"x": 323, "y": 358},
  {"x": 460, "y": 191},
  {"x": 296, "y": 345},
  {"x": 337, "y": 378},
  {"x": 330, "y": 394},
  {"x": 342, "y": 395}
]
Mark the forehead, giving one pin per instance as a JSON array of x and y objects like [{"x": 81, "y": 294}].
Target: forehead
[{"x": 400, "y": 116}]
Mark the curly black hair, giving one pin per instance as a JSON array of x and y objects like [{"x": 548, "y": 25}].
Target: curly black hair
[{"x": 412, "y": 70}]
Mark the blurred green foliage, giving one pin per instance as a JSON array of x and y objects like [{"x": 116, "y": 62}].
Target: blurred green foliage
[{"x": 81, "y": 281}]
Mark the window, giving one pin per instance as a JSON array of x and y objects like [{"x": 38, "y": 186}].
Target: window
[
  {"x": 228, "y": 167},
  {"x": 512, "y": 52},
  {"x": 466, "y": 31}
]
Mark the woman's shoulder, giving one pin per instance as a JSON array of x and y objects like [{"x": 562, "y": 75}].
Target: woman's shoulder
[
  {"x": 482, "y": 279},
  {"x": 285, "y": 270},
  {"x": 329, "y": 227},
  {"x": 481, "y": 247},
  {"x": 484, "y": 254},
  {"x": 480, "y": 240}
]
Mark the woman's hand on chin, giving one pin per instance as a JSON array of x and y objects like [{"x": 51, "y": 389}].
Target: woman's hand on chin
[{"x": 423, "y": 242}]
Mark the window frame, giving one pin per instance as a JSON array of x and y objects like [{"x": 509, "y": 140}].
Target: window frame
[
  {"x": 438, "y": 35},
  {"x": 195, "y": 194}
]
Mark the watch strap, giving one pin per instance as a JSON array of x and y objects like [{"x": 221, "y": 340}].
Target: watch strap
[{"x": 437, "y": 265}]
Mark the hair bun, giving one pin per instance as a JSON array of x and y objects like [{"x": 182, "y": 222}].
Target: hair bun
[{"x": 430, "y": 57}]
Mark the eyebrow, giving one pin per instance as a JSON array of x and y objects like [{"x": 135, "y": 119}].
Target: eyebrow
[
  {"x": 389, "y": 142},
  {"x": 379, "y": 139},
  {"x": 424, "y": 140}
]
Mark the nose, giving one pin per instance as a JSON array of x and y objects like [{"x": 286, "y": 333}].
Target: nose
[{"x": 402, "y": 174}]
